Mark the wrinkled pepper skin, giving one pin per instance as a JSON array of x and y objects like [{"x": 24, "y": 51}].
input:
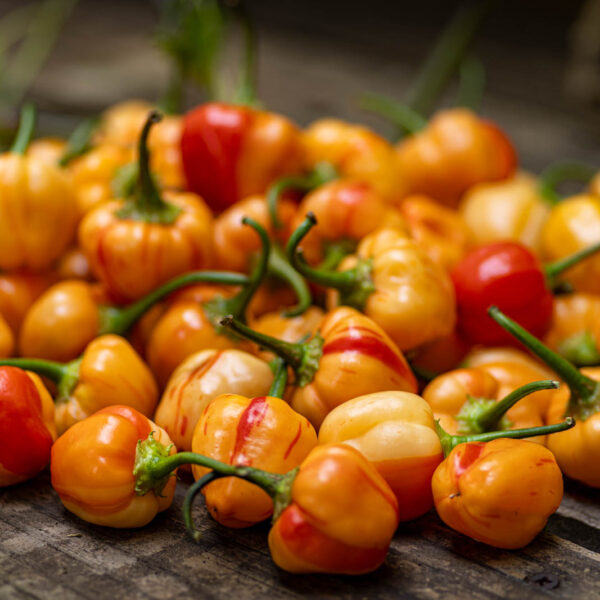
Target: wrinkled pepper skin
[
  {"x": 395, "y": 431},
  {"x": 7, "y": 339},
  {"x": 230, "y": 152},
  {"x": 441, "y": 231},
  {"x": 236, "y": 245},
  {"x": 131, "y": 258},
  {"x": 455, "y": 151},
  {"x": 506, "y": 210},
  {"x": 26, "y": 425},
  {"x": 111, "y": 372},
  {"x": 356, "y": 152},
  {"x": 510, "y": 276},
  {"x": 358, "y": 358},
  {"x": 346, "y": 211},
  {"x": 574, "y": 224},
  {"x": 262, "y": 432},
  {"x": 38, "y": 212},
  {"x": 413, "y": 301},
  {"x": 500, "y": 493},
  {"x": 341, "y": 519},
  {"x": 198, "y": 380},
  {"x": 92, "y": 469}
]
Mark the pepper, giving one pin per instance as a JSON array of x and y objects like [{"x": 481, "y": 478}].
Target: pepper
[
  {"x": 7, "y": 339},
  {"x": 594, "y": 187},
  {"x": 26, "y": 425},
  {"x": 441, "y": 231},
  {"x": 481, "y": 356},
  {"x": 73, "y": 264},
  {"x": 510, "y": 275},
  {"x": 108, "y": 372},
  {"x": 349, "y": 355},
  {"x": 396, "y": 432},
  {"x": 574, "y": 224},
  {"x": 48, "y": 150},
  {"x": 37, "y": 206},
  {"x": 201, "y": 378},
  {"x": 391, "y": 279},
  {"x": 121, "y": 123},
  {"x": 230, "y": 152},
  {"x": 438, "y": 356},
  {"x": 346, "y": 211},
  {"x": 191, "y": 323},
  {"x": 136, "y": 244},
  {"x": 70, "y": 314},
  {"x": 332, "y": 514},
  {"x": 262, "y": 432},
  {"x": 496, "y": 490},
  {"x": 356, "y": 153},
  {"x": 92, "y": 469},
  {"x": 577, "y": 450},
  {"x": 575, "y": 329}
]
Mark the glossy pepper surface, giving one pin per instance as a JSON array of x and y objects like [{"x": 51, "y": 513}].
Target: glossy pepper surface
[
  {"x": 262, "y": 432},
  {"x": 26, "y": 425},
  {"x": 92, "y": 469},
  {"x": 134, "y": 245},
  {"x": 395, "y": 431},
  {"x": 37, "y": 207},
  {"x": 230, "y": 152},
  {"x": 7, "y": 339},
  {"x": 198, "y": 380}
]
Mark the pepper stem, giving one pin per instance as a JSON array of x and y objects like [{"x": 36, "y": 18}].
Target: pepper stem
[
  {"x": 303, "y": 358},
  {"x": 279, "y": 384},
  {"x": 554, "y": 269},
  {"x": 121, "y": 320},
  {"x": 403, "y": 116},
  {"x": 25, "y": 131},
  {"x": 585, "y": 392},
  {"x": 246, "y": 90},
  {"x": 80, "y": 141},
  {"x": 355, "y": 285},
  {"x": 147, "y": 204},
  {"x": 471, "y": 84},
  {"x": 581, "y": 349},
  {"x": 557, "y": 173},
  {"x": 322, "y": 173},
  {"x": 449, "y": 442},
  {"x": 279, "y": 267},
  {"x": 489, "y": 418}
]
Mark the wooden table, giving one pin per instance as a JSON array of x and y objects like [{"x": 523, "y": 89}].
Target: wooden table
[{"x": 47, "y": 553}]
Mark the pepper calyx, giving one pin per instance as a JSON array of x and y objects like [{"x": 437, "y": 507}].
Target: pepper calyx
[
  {"x": 283, "y": 493},
  {"x": 150, "y": 454},
  {"x": 312, "y": 351},
  {"x": 471, "y": 412},
  {"x": 581, "y": 349}
]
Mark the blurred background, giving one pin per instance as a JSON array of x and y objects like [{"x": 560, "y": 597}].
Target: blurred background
[{"x": 315, "y": 59}]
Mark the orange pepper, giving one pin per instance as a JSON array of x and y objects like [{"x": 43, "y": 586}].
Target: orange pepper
[
  {"x": 109, "y": 371},
  {"x": 136, "y": 244},
  {"x": 443, "y": 354},
  {"x": 26, "y": 425},
  {"x": 455, "y": 151},
  {"x": 37, "y": 206},
  {"x": 350, "y": 355},
  {"x": 485, "y": 355},
  {"x": 441, "y": 231},
  {"x": 575, "y": 329},
  {"x": 573, "y": 225},
  {"x": 594, "y": 186},
  {"x": 262, "y": 432},
  {"x": 7, "y": 339},
  {"x": 395, "y": 431},
  {"x": 391, "y": 279},
  {"x": 92, "y": 469},
  {"x": 73, "y": 264},
  {"x": 198, "y": 380},
  {"x": 578, "y": 449},
  {"x": 513, "y": 209},
  {"x": 48, "y": 150},
  {"x": 356, "y": 152},
  {"x": 346, "y": 210},
  {"x": 122, "y": 123}
]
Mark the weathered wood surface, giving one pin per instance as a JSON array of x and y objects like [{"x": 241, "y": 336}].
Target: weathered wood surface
[{"x": 47, "y": 553}]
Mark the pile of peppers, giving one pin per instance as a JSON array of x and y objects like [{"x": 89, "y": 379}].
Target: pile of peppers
[{"x": 316, "y": 326}]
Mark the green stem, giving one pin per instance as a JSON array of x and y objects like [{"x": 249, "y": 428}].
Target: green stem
[
  {"x": 446, "y": 56},
  {"x": 188, "y": 502},
  {"x": 322, "y": 173},
  {"x": 404, "y": 117},
  {"x": 557, "y": 173},
  {"x": 585, "y": 392},
  {"x": 25, "y": 131},
  {"x": 246, "y": 91},
  {"x": 172, "y": 101},
  {"x": 303, "y": 358},
  {"x": 489, "y": 418},
  {"x": 449, "y": 442},
  {"x": 335, "y": 252},
  {"x": 279, "y": 384},
  {"x": 64, "y": 375},
  {"x": 80, "y": 141},
  {"x": 120, "y": 320},
  {"x": 472, "y": 84},
  {"x": 147, "y": 204},
  {"x": 553, "y": 270},
  {"x": 355, "y": 285},
  {"x": 581, "y": 349},
  {"x": 279, "y": 267}
]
